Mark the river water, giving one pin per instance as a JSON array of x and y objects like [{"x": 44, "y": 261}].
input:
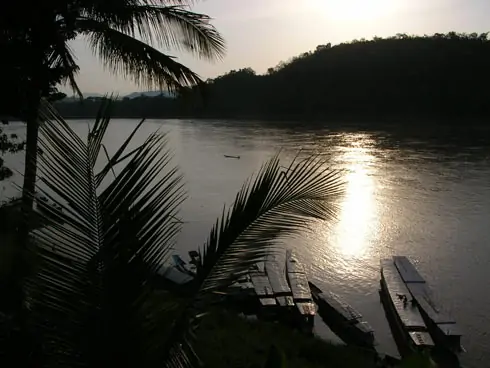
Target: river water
[{"x": 423, "y": 192}]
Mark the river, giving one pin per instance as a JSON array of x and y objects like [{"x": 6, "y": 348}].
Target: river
[{"x": 423, "y": 192}]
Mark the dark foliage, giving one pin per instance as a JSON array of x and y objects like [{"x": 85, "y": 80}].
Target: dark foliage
[
  {"x": 248, "y": 344},
  {"x": 112, "y": 31},
  {"x": 432, "y": 76},
  {"x": 124, "y": 34},
  {"x": 9, "y": 144}
]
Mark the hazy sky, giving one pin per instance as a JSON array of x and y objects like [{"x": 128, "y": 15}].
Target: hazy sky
[{"x": 261, "y": 33}]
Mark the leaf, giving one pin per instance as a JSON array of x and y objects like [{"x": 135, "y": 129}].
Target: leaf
[
  {"x": 277, "y": 204},
  {"x": 117, "y": 156},
  {"x": 101, "y": 252},
  {"x": 125, "y": 55},
  {"x": 169, "y": 26}
]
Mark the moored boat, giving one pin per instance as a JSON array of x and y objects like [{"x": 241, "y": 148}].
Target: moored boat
[
  {"x": 263, "y": 289},
  {"x": 298, "y": 282},
  {"x": 277, "y": 278},
  {"x": 344, "y": 320},
  {"x": 408, "y": 323},
  {"x": 443, "y": 328}
]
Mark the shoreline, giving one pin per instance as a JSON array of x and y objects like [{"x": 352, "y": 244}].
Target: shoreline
[{"x": 392, "y": 120}]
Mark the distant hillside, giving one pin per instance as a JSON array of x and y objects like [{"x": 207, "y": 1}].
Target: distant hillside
[
  {"x": 444, "y": 75},
  {"x": 130, "y": 96},
  {"x": 149, "y": 94}
]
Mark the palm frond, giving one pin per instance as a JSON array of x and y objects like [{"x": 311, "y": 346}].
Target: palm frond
[
  {"x": 119, "y": 155},
  {"x": 277, "y": 204},
  {"x": 280, "y": 202},
  {"x": 90, "y": 296},
  {"x": 123, "y": 54},
  {"x": 173, "y": 27},
  {"x": 62, "y": 58}
]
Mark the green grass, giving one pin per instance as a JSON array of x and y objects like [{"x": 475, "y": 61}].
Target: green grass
[{"x": 227, "y": 340}]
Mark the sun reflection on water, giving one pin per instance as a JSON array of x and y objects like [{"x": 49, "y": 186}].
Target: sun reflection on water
[{"x": 357, "y": 224}]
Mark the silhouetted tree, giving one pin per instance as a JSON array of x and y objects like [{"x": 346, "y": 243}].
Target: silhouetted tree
[{"x": 36, "y": 35}]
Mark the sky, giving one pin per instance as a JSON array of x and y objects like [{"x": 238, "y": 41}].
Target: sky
[{"x": 261, "y": 33}]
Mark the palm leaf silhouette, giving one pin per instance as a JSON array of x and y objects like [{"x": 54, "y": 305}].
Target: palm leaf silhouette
[
  {"x": 279, "y": 202},
  {"x": 89, "y": 299}
]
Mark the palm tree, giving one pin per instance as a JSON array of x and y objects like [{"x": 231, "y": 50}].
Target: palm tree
[
  {"x": 93, "y": 300},
  {"x": 121, "y": 33}
]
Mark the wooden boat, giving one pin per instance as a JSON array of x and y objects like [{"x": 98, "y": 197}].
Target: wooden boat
[
  {"x": 406, "y": 321},
  {"x": 344, "y": 320},
  {"x": 263, "y": 289},
  {"x": 230, "y": 156},
  {"x": 277, "y": 278},
  {"x": 298, "y": 282},
  {"x": 442, "y": 327},
  {"x": 293, "y": 265}
]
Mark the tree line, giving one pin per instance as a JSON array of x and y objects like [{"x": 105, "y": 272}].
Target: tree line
[{"x": 438, "y": 75}]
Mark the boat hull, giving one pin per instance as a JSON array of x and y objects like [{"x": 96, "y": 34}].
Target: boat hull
[
  {"x": 298, "y": 282},
  {"x": 408, "y": 326},
  {"x": 442, "y": 327},
  {"x": 352, "y": 332}
]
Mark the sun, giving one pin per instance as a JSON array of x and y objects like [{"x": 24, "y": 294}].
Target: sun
[{"x": 355, "y": 10}]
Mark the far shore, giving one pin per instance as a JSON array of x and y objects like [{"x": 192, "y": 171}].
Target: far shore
[{"x": 359, "y": 120}]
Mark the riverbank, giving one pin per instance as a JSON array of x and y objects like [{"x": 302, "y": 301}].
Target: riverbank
[{"x": 225, "y": 339}]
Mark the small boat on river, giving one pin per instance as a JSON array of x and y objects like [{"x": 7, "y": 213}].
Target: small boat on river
[
  {"x": 405, "y": 319},
  {"x": 443, "y": 328},
  {"x": 263, "y": 289},
  {"x": 277, "y": 279},
  {"x": 298, "y": 282},
  {"x": 344, "y": 321}
]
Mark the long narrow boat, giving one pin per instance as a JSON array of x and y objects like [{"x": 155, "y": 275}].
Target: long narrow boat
[
  {"x": 279, "y": 283},
  {"x": 263, "y": 289},
  {"x": 298, "y": 282},
  {"x": 442, "y": 327},
  {"x": 344, "y": 320},
  {"x": 408, "y": 323}
]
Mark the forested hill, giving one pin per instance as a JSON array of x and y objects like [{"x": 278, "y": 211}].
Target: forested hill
[{"x": 439, "y": 75}]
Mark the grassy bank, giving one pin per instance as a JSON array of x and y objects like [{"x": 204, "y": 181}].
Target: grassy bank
[{"x": 228, "y": 340}]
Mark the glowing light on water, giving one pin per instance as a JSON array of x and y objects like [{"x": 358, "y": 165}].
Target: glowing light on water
[
  {"x": 350, "y": 242},
  {"x": 358, "y": 213}
]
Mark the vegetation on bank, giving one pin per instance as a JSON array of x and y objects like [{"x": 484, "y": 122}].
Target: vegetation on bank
[
  {"x": 243, "y": 343},
  {"x": 411, "y": 76},
  {"x": 8, "y": 144}
]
